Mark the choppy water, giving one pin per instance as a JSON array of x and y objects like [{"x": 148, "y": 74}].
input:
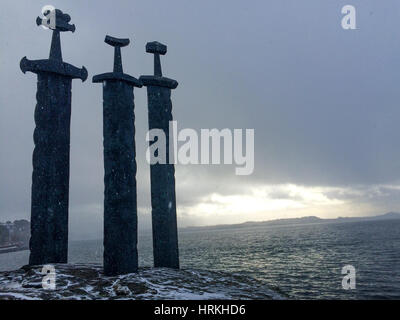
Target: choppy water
[{"x": 303, "y": 262}]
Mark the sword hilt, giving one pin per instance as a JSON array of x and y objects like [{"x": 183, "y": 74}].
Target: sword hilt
[
  {"x": 117, "y": 43},
  {"x": 157, "y": 49},
  {"x": 60, "y": 23},
  {"x": 57, "y": 21}
]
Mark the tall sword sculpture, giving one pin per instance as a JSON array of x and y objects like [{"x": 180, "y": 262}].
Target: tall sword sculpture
[
  {"x": 50, "y": 178},
  {"x": 120, "y": 206},
  {"x": 163, "y": 200}
]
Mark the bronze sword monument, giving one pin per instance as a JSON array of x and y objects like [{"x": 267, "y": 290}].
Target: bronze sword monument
[
  {"x": 120, "y": 204},
  {"x": 163, "y": 199},
  {"x": 50, "y": 177}
]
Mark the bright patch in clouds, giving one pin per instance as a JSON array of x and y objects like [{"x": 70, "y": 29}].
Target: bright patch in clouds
[
  {"x": 260, "y": 202},
  {"x": 270, "y": 202}
]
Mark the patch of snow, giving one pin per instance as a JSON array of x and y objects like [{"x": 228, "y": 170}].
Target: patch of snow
[{"x": 87, "y": 282}]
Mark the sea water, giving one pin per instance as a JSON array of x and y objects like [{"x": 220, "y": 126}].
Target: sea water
[{"x": 300, "y": 261}]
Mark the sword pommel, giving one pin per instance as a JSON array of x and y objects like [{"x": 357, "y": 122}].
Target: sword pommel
[
  {"x": 156, "y": 48},
  {"x": 55, "y": 19},
  {"x": 116, "y": 42}
]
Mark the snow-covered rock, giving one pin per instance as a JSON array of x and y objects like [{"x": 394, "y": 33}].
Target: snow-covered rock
[{"x": 87, "y": 281}]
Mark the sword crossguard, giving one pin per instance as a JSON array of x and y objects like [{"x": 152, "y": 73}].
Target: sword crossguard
[{"x": 57, "y": 67}]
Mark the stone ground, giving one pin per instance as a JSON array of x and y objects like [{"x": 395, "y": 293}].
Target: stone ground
[{"x": 87, "y": 282}]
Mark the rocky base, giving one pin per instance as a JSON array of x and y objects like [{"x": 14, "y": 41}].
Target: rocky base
[{"x": 87, "y": 282}]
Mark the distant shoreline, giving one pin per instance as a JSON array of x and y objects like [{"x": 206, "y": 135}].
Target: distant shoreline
[
  {"x": 294, "y": 222},
  {"x": 12, "y": 249}
]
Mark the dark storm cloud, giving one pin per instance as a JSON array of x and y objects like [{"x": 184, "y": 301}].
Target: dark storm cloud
[{"x": 323, "y": 101}]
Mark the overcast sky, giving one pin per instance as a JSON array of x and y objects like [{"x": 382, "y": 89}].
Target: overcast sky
[{"x": 324, "y": 103}]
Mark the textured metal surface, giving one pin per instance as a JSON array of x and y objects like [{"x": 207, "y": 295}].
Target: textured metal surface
[
  {"x": 120, "y": 202},
  {"x": 120, "y": 207},
  {"x": 50, "y": 178},
  {"x": 163, "y": 198}
]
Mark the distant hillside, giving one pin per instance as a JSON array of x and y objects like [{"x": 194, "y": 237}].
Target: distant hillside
[{"x": 297, "y": 221}]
